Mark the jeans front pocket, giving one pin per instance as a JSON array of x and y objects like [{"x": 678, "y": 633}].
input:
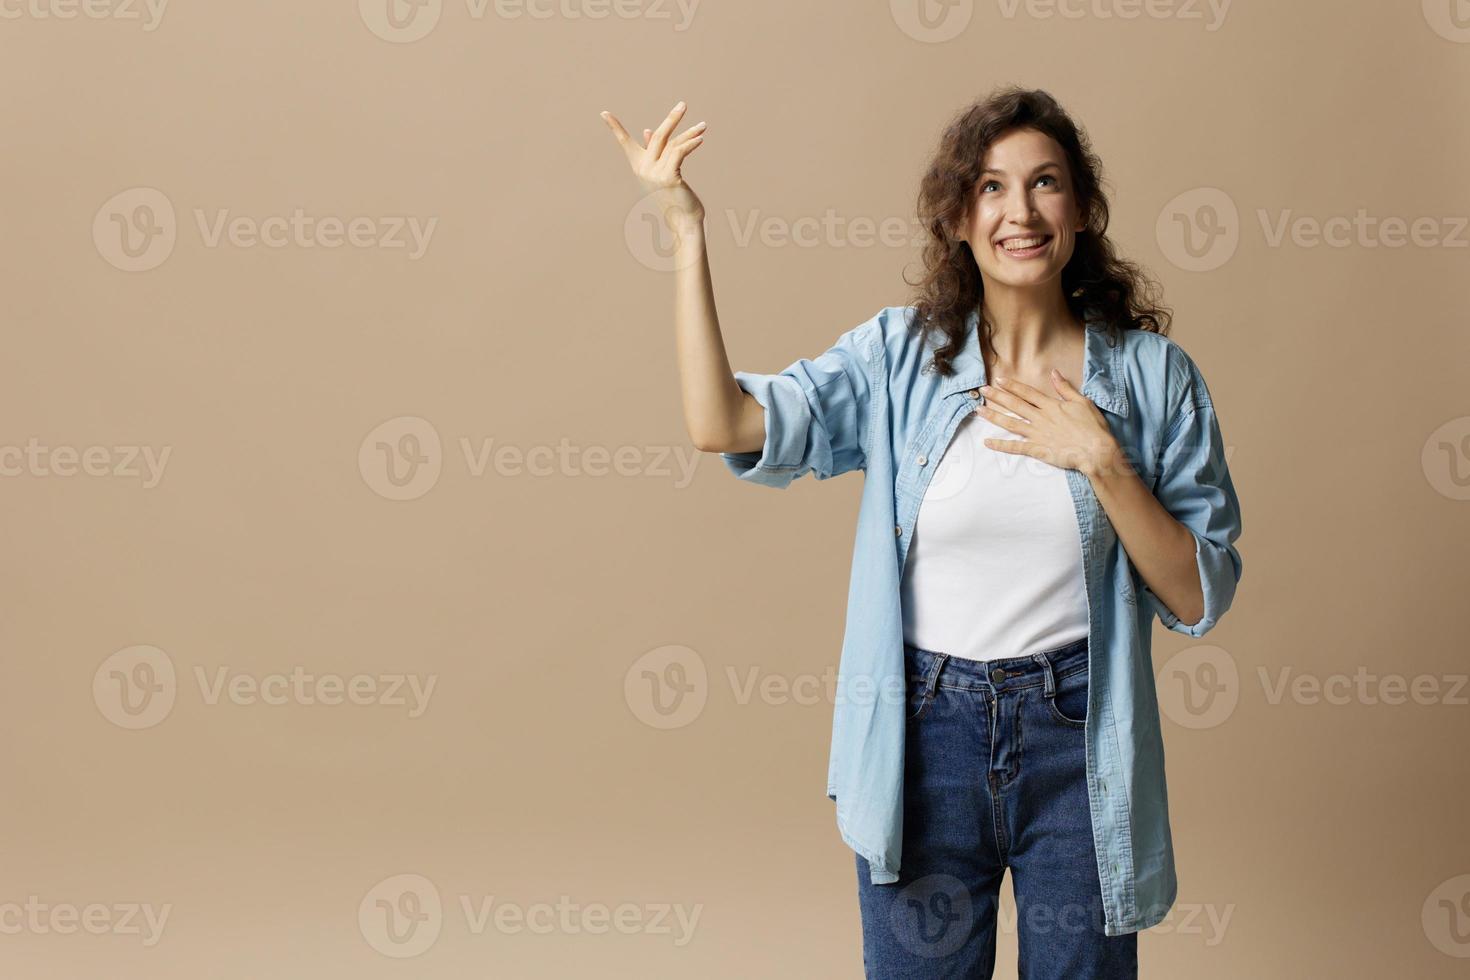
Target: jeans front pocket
[{"x": 1068, "y": 704}]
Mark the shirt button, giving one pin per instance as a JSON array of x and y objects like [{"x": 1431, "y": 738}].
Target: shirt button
[
  {"x": 898, "y": 530},
  {"x": 922, "y": 460},
  {"x": 974, "y": 392}
]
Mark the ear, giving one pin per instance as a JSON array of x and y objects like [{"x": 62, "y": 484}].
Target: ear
[
  {"x": 958, "y": 225},
  {"x": 956, "y": 228}
]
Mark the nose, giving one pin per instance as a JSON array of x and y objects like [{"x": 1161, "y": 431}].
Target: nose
[{"x": 1020, "y": 209}]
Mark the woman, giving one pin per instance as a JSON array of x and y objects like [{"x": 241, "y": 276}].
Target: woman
[{"x": 1044, "y": 473}]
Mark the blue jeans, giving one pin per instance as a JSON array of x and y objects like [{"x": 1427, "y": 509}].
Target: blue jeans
[{"x": 994, "y": 778}]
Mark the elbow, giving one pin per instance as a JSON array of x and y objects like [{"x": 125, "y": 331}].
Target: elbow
[
  {"x": 709, "y": 442},
  {"x": 1192, "y": 617}
]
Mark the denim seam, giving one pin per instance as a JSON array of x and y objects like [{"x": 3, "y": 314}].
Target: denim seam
[{"x": 1128, "y": 872}]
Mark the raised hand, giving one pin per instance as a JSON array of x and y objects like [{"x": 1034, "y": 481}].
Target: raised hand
[{"x": 657, "y": 162}]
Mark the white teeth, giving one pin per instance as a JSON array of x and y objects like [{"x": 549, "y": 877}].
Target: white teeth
[{"x": 1015, "y": 244}]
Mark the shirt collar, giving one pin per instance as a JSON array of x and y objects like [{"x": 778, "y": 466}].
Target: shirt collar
[{"x": 1102, "y": 366}]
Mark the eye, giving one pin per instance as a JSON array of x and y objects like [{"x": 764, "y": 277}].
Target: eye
[
  {"x": 1046, "y": 177},
  {"x": 987, "y": 184}
]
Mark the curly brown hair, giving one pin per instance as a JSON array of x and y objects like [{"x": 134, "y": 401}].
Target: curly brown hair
[{"x": 1115, "y": 290}]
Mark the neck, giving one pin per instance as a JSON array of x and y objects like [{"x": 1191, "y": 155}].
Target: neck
[{"x": 1026, "y": 326}]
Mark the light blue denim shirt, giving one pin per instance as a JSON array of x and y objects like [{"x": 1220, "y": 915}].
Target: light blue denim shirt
[{"x": 868, "y": 404}]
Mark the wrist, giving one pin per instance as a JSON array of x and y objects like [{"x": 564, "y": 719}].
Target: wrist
[{"x": 1108, "y": 463}]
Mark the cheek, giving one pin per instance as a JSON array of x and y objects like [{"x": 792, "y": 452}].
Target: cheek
[{"x": 988, "y": 214}]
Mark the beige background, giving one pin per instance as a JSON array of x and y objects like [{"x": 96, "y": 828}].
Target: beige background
[{"x": 1313, "y": 838}]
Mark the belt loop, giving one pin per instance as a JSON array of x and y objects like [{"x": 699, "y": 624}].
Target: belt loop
[
  {"x": 932, "y": 680},
  {"x": 1050, "y": 688}
]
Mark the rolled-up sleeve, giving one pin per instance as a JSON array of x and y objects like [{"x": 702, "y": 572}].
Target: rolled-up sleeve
[
  {"x": 1194, "y": 486},
  {"x": 816, "y": 412}
]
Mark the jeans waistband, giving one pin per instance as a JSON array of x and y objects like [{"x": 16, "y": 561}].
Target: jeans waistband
[{"x": 1009, "y": 673}]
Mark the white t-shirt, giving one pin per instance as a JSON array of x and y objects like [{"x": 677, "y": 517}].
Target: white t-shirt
[{"x": 995, "y": 566}]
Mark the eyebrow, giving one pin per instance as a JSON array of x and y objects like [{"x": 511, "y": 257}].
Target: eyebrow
[{"x": 1035, "y": 170}]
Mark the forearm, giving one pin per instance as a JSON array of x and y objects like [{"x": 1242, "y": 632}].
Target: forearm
[
  {"x": 715, "y": 408},
  {"x": 1161, "y": 548}
]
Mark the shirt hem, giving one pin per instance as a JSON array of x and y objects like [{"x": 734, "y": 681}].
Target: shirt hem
[
  {"x": 878, "y": 871},
  {"x": 1155, "y": 914}
]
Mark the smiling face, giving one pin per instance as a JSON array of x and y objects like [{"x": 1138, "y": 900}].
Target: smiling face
[{"x": 1023, "y": 200}]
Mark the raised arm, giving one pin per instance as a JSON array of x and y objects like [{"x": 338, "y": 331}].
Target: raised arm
[{"x": 719, "y": 416}]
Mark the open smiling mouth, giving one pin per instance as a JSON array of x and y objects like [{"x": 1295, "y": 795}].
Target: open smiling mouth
[{"x": 1029, "y": 247}]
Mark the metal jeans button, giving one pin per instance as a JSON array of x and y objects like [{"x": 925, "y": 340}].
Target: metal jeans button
[{"x": 997, "y": 675}]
